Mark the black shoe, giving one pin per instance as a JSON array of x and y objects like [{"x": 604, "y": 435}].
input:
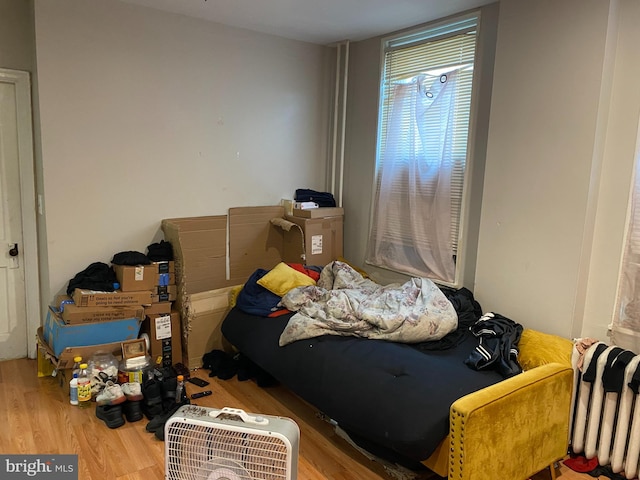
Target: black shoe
[
  {"x": 132, "y": 410},
  {"x": 152, "y": 403},
  {"x": 169, "y": 386},
  {"x": 157, "y": 423},
  {"x": 111, "y": 415}
]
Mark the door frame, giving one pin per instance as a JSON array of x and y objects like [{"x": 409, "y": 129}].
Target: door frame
[{"x": 22, "y": 82}]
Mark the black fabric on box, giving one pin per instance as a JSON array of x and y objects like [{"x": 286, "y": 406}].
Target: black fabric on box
[
  {"x": 130, "y": 258},
  {"x": 160, "y": 252},
  {"x": 97, "y": 276},
  {"x": 323, "y": 199},
  {"x": 391, "y": 394}
]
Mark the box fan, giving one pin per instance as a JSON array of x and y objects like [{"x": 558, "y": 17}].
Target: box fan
[{"x": 229, "y": 444}]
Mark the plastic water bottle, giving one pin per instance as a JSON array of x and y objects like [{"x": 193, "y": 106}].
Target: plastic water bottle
[
  {"x": 84, "y": 386},
  {"x": 73, "y": 390},
  {"x": 179, "y": 388}
]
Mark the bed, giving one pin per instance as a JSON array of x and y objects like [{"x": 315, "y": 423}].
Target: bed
[{"x": 394, "y": 399}]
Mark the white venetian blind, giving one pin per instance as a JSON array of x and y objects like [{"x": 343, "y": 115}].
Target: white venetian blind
[{"x": 433, "y": 52}]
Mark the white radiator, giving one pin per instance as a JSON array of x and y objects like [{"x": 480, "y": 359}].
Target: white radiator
[{"x": 605, "y": 408}]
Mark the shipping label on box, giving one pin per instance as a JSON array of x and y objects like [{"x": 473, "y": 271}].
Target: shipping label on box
[
  {"x": 165, "y": 340},
  {"x": 73, "y": 314},
  {"x": 93, "y": 298}
]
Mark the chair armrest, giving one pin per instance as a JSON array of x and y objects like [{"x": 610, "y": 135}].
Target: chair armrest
[{"x": 512, "y": 429}]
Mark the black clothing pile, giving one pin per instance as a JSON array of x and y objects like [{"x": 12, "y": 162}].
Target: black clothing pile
[
  {"x": 498, "y": 338},
  {"x": 130, "y": 258},
  {"x": 97, "y": 276},
  {"x": 160, "y": 252},
  {"x": 225, "y": 367}
]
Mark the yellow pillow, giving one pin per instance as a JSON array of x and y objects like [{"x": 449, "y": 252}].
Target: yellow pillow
[{"x": 283, "y": 278}]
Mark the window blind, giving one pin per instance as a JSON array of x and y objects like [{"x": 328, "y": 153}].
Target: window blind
[{"x": 434, "y": 51}]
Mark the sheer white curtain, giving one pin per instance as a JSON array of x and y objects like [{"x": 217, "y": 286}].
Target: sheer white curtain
[
  {"x": 625, "y": 329},
  {"x": 412, "y": 213}
]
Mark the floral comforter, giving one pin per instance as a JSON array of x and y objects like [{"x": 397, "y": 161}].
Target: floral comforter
[{"x": 343, "y": 302}]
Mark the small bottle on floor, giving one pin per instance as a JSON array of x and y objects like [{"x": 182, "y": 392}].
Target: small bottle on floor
[
  {"x": 180, "y": 389},
  {"x": 84, "y": 387},
  {"x": 73, "y": 389}
]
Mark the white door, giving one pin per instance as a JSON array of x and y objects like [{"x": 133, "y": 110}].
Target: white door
[{"x": 13, "y": 298}]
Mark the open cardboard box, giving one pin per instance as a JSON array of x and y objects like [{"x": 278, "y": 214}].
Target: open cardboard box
[
  {"x": 65, "y": 359},
  {"x": 206, "y": 270}
]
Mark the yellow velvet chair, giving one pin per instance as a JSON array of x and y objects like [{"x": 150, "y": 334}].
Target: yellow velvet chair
[{"x": 515, "y": 428}]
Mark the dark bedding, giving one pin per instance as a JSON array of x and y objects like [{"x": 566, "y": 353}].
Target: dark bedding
[{"x": 392, "y": 395}]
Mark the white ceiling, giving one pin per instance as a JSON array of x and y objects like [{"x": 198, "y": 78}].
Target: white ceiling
[{"x": 317, "y": 21}]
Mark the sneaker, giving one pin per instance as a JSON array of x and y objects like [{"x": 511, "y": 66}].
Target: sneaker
[
  {"x": 133, "y": 391},
  {"x": 111, "y": 394},
  {"x": 132, "y": 410},
  {"x": 111, "y": 415}
]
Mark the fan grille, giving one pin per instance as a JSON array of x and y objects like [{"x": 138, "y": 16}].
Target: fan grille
[{"x": 196, "y": 451}]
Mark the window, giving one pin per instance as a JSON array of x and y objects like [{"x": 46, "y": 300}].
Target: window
[
  {"x": 625, "y": 329},
  {"x": 425, "y": 103}
]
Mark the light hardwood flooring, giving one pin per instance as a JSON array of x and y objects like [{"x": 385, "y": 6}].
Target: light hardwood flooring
[{"x": 36, "y": 418}]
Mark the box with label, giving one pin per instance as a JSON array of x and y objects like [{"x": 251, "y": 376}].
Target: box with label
[
  {"x": 60, "y": 336},
  {"x": 136, "y": 278},
  {"x": 165, "y": 337},
  {"x": 321, "y": 237},
  {"x": 93, "y": 298}
]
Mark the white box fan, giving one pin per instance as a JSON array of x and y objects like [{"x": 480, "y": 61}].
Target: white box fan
[{"x": 229, "y": 444}]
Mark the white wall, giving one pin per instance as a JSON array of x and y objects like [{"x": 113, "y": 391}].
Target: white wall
[
  {"x": 558, "y": 167},
  {"x": 617, "y": 167},
  {"x": 147, "y": 115}
]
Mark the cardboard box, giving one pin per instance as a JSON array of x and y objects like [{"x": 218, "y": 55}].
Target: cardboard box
[
  {"x": 72, "y": 314},
  {"x": 165, "y": 337},
  {"x": 323, "y": 239},
  {"x": 201, "y": 325},
  {"x": 136, "y": 278},
  {"x": 200, "y": 250},
  {"x": 65, "y": 359},
  {"x": 92, "y": 298},
  {"x": 158, "y": 308},
  {"x": 320, "y": 212},
  {"x": 254, "y": 242},
  {"x": 60, "y": 336}
]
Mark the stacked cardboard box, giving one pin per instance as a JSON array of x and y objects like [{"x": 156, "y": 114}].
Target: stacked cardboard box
[
  {"x": 204, "y": 281},
  {"x": 162, "y": 323},
  {"x": 90, "y": 321}
]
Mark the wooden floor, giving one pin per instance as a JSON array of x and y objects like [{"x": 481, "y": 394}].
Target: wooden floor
[{"x": 36, "y": 418}]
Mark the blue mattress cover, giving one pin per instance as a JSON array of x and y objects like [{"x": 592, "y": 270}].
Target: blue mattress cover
[{"x": 393, "y": 395}]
